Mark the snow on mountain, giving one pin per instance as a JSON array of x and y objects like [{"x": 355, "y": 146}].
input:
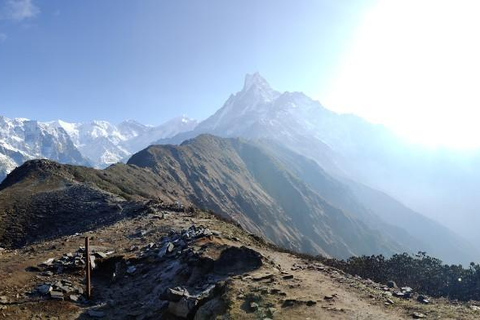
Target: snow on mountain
[
  {"x": 167, "y": 130},
  {"x": 96, "y": 143},
  {"x": 22, "y": 139}
]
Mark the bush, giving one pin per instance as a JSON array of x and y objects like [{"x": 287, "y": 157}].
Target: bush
[{"x": 425, "y": 274}]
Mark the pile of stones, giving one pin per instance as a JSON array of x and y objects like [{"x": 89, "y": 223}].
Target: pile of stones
[
  {"x": 61, "y": 290},
  {"x": 72, "y": 261},
  {"x": 176, "y": 242}
]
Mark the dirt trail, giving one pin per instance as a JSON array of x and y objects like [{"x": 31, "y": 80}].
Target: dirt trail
[{"x": 284, "y": 287}]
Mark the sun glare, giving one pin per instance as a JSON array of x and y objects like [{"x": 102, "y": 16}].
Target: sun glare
[{"x": 415, "y": 66}]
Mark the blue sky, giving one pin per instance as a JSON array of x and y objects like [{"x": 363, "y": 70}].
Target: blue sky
[
  {"x": 152, "y": 60},
  {"x": 410, "y": 65}
]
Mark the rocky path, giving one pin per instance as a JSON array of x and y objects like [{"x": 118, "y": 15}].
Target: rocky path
[{"x": 178, "y": 266}]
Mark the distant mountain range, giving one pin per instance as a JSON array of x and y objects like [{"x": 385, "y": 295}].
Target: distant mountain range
[
  {"x": 301, "y": 175},
  {"x": 98, "y": 143},
  {"x": 442, "y": 184},
  {"x": 264, "y": 189}
]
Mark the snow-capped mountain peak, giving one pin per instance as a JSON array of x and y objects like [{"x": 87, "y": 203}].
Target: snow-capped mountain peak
[
  {"x": 98, "y": 143},
  {"x": 255, "y": 80}
]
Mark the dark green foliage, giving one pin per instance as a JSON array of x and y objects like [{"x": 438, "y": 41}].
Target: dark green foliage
[{"x": 425, "y": 274}]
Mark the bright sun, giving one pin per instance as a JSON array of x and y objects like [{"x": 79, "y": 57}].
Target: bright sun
[{"x": 415, "y": 66}]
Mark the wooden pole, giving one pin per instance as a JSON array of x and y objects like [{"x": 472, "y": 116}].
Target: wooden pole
[{"x": 88, "y": 269}]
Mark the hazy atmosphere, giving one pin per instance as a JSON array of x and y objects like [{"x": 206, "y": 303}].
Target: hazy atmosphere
[
  {"x": 239, "y": 159},
  {"x": 154, "y": 60}
]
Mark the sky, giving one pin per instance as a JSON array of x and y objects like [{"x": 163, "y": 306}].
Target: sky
[{"x": 411, "y": 65}]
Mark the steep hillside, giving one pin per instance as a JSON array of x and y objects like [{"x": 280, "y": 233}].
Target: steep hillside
[
  {"x": 269, "y": 190},
  {"x": 432, "y": 181},
  {"x": 231, "y": 177},
  {"x": 242, "y": 181},
  {"x": 377, "y": 209}
]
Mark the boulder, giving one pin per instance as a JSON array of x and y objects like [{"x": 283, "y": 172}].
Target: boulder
[
  {"x": 210, "y": 310},
  {"x": 238, "y": 260},
  {"x": 44, "y": 289},
  {"x": 176, "y": 294},
  {"x": 56, "y": 295},
  {"x": 183, "y": 307}
]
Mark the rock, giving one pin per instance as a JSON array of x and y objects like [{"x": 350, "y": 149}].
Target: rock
[
  {"x": 131, "y": 269},
  {"x": 73, "y": 297},
  {"x": 96, "y": 314},
  {"x": 391, "y": 284},
  {"x": 47, "y": 273},
  {"x": 475, "y": 308},
  {"x": 399, "y": 294},
  {"x": 330, "y": 297},
  {"x": 236, "y": 260},
  {"x": 271, "y": 312},
  {"x": 253, "y": 306},
  {"x": 263, "y": 277},
  {"x": 210, "y": 310},
  {"x": 311, "y": 303},
  {"x": 183, "y": 307},
  {"x": 170, "y": 247},
  {"x": 175, "y": 294},
  {"x": 423, "y": 299},
  {"x": 389, "y": 301},
  {"x": 48, "y": 262},
  {"x": 32, "y": 269},
  {"x": 56, "y": 295},
  {"x": 92, "y": 261},
  {"x": 288, "y": 277},
  {"x": 101, "y": 255},
  {"x": 289, "y": 303},
  {"x": 3, "y": 299},
  {"x": 44, "y": 289},
  {"x": 418, "y": 315}
]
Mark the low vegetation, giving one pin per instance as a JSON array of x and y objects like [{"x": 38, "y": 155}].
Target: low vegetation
[{"x": 423, "y": 273}]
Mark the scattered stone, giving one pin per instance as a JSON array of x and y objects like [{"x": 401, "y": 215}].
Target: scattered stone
[
  {"x": 74, "y": 297},
  {"x": 101, "y": 255},
  {"x": 44, "y": 289},
  {"x": 288, "y": 277},
  {"x": 263, "y": 277},
  {"x": 170, "y": 247},
  {"x": 311, "y": 303},
  {"x": 48, "y": 262},
  {"x": 3, "y": 299},
  {"x": 175, "y": 294},
  {"x": 389, "y": 301},
  {"x": 418, "y": 315},
  {"x": 330, "y": 297},
  {"x": 33, "y": 269},
  {"x": 271, "y": 311},
  {"x": 131, "y": 269},
  {"x": 183, "y": 307},
  {"x": 423, "y": 299},
  {"x": 56, "y": 295},
  {"x": 254, "y": 306},
  {"x": 289, "y": 303}
]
